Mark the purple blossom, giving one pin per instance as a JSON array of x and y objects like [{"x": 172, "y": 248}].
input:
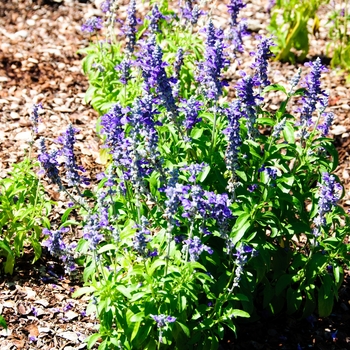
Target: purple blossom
[
  {"x": 162, "y": 320},
  {"x": 154, "y": 17},
  {"x": 328, "y": 120},
  {"x": 92, "y": 24},
  {"x": 194, "y": 170},
  {"x": 113, "y": 124},
  {"x": 249, "y": 101},
  {"x": 34, "y": 116},
  {"x": 105, "y": 6},
  {"x": 233, "y": 114},
  {"x": 130, "y": 28},
  {"x": 49, "y": 163},
  {"x": 252, "y": 187},
  {"x": 195, "y": 248},
  {"x": 236, "y": 35},
  {"x": 329, "y": 194},
  {"x": 97, "y": 223},
  {"x": 262, "y": 55},
  {"x": 125, "y": 72},
  {"x": 72, "y": 169},
  {"x": 295, "y": 80},
  {"x": 241, "y": 258},
  {"x": 150, "y": 60},
  {"x": 271, "y": 173},
  {"x": 59, "y": 249},
  {"x": 190, "y": 108},
  {"x": 215, "y": 60},
  {"x": 32, "y": 338},
  {"x": 312, "y": 94},
  {"x": 191, "y": 13},
  {"x": 234, "y": 7},
  {"x": 139, "y": 239},
  {"x": 278, "y": 128}
]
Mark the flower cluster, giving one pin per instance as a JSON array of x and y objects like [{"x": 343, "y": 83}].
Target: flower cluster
[
  {"x": 59, "y": 249},
  {"x": 154, "y": 17},
  {"x": 215, "y": 60},
  {"x": 140, "y": 240},
  {"x": 234, "y": 7},
  {"x": 330, "y": 192},
  {"x": 130, "y": 27},
  {"x": 162, "y": 320},
  {"x": 153, "y": 71},
  {"x": 195, "y": 248},
  {"x": 241, "y": 254},
  {"x": 260, "y": 64},
  {"x": 233, "y": 114},
  {"x": 49, "y": 164},
  {"x": 191, "y": 12},
  {"x": 190, "y": 109},
  {"x": 312, "y": 94},
  {"x": 235, "y": 37},
  {"x": 92, "y": 25},
  {"x": 34, "y": 116},
  {"x": 67, "y": 139},
  {"x": 125, "y": 73},
  {"x": 249, "y": 101}
]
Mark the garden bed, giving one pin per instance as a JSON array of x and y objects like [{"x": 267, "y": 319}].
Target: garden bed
[{"x": 39, "y": 63}]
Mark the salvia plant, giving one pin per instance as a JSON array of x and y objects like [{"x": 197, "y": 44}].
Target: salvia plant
[
  {"x": 209, "y": 210},
  {"x": 24, "y": 208}
]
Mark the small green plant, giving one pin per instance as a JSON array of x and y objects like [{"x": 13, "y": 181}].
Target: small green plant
[
  {"x": 338, "y": 32},
  {"x": 24, "y": 208},
  {"x": 290, "y": 26},
  {"x": 23, "y": 212}
]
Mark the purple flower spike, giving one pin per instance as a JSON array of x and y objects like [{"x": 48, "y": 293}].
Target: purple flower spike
[
  {"x": 196, "y": 248},
  {"x": 72, "y": 169},
  {"x": 215, "y": 60},
  {"x": 236, "y": 36},
  {"x": 49, "y": 164},
  {"x": 162, "y": 320},
  {"x": 190, "y": 108},
  {"x": 249, "y": 102},
  {"x": 261, "y": 61},
  {"x": 232, "y": 133},
  {"x": 328, "y": 120},
  {"x": 234, "y": 7},
  {"x": 59, "y": 249},
  {"x": 312, "y": 95},
  {"x": 93, "y": 24},
  {"x": 124, "y": 69},
  {"x": 154, "y": 17},
  {"x": 130, "y": 28},
  {"x": 330, "y": 192},
  {"x": 34, "y": 116}
]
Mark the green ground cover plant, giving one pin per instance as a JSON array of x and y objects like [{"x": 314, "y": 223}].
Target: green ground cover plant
[
  {"x": 209, "y": 210},
  {"x": 24, "y": 209}
]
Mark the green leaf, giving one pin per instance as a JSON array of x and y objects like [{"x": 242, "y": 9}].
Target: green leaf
[
  {"x": 240, "y": 228},
  {"x": 203, "y": 175},
  {"x": 83, "y": 290},
  {"x": 325, "y": 302},
  {"x": 275, "y": 87},
  {"x": 184, "y": 328},
  {"x": 3, "y": 322},
  {"x": 92, "y": 339}
]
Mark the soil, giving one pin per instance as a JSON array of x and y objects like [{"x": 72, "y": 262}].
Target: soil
[{"x": 39, "y": 62}]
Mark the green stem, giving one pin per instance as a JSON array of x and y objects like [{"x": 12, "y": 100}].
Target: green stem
[{"x": 213, "y": 134}]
